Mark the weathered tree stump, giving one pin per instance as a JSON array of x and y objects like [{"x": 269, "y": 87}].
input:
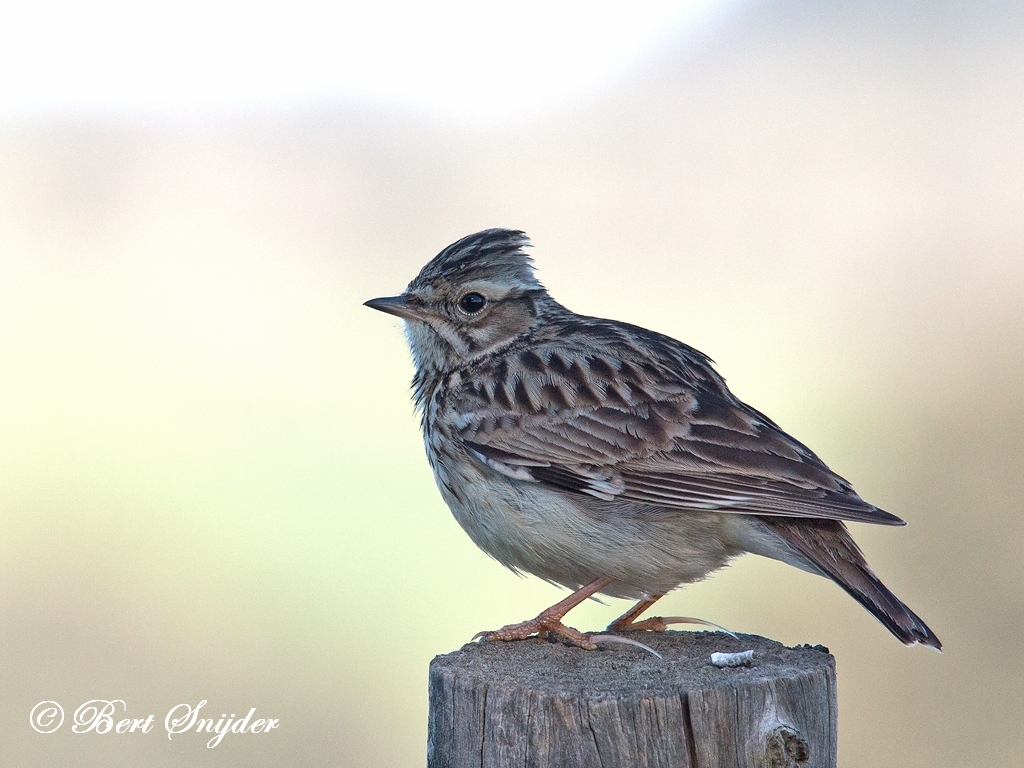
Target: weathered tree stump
[{"x": 539, "y": 703}]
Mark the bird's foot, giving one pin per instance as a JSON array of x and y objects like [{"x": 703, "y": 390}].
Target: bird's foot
[
  {"x": 543, "y": 625},
  {"x": 660, "y": 624},
  {"x": 654, "y": 624}
]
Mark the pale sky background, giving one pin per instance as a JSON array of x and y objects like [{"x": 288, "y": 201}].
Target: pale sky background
[{"x": 467, "y": 61}]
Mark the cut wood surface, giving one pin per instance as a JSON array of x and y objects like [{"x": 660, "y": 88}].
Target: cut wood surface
[{"x": 540, "y": 703}]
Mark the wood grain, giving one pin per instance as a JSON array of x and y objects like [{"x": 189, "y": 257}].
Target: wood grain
[{"x": 537, "y": 703}]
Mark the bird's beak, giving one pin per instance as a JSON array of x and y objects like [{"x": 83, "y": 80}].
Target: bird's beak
[{"x": 403, "y": 306}]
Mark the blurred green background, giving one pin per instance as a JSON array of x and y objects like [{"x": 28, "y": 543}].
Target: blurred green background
[{"x": 212, "y": 484}]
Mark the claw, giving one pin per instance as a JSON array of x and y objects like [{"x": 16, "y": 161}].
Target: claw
[
  {"x": 624, "y": 641},
  {"x": 661, "y": 623},
  {"x": 628, "y": 621}
]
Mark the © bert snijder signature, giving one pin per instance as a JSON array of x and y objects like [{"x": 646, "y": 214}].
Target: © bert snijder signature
[{"x": 100, "y": 716}]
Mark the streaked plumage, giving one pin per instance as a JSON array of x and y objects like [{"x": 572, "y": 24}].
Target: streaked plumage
[{"x": 591, "y": 452}]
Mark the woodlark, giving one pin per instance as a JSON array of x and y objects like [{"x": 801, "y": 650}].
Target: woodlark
[{"x": 608, "y": 458}]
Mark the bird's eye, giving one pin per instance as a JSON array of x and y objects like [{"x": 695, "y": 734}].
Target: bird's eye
[{"x": 472, "y": 303}]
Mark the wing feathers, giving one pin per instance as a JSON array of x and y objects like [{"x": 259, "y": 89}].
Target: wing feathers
[{"x": 629, "y": 430}]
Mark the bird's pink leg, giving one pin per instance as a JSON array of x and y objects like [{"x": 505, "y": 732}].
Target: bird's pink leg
[{"x": 550, "y": 620}]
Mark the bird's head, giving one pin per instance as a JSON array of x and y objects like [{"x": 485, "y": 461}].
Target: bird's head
[{"x": 475, "y": 295}]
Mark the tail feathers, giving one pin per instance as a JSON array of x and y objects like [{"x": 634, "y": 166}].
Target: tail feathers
[
  {"x": 895, "y": 616},
  {"x": 828, "y": 546}
]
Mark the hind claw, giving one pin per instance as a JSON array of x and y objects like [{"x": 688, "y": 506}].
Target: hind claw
[{"x": 661, "y": 623}]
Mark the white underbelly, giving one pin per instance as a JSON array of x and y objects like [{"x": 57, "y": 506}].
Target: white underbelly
[{"x": 571, "y": 539}]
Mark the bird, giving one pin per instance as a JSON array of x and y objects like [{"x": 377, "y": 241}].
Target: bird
[{"x": 607, "y": 458}]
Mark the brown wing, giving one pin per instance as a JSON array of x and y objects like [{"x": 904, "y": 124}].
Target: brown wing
[{"x": 620, "y": 429}]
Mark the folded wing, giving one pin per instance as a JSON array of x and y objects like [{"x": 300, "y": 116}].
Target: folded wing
[{"x": 605, "y": 428}]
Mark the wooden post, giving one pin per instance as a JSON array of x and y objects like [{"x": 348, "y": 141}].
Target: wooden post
[{"x": 539, "y": 703}]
